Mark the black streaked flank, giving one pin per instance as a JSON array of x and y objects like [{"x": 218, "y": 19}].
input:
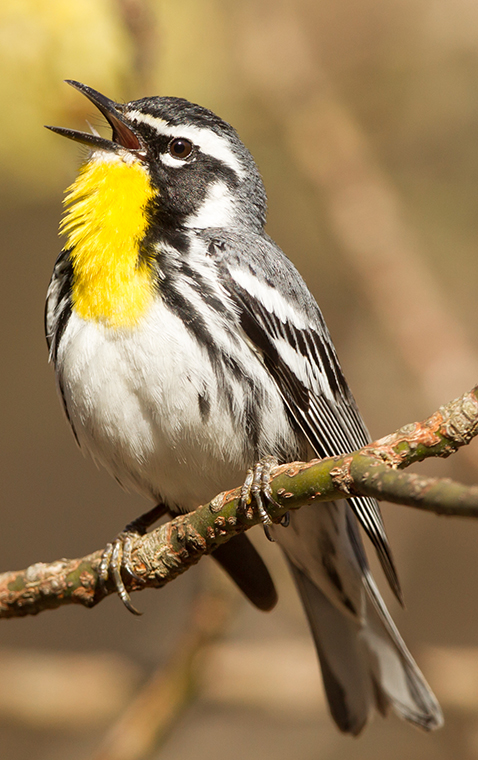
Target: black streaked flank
[
  {"x": 64, "y": 315},
  {"x": 254, "y": 401},
  {"x": 59, "y": 310},
  {"x": 226, "y": 368},
  {"x": 203, "y": 287}
]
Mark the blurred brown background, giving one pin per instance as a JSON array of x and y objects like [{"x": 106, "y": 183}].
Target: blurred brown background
[{"x": 363, "y": 118}]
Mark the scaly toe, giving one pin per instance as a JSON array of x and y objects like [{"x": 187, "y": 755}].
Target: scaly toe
[
  {"x": 117, "y": 557},
  {"x": 256, "y": 489},
  {"x": 246, "y": 491},
  {"x": 117, "y": 554}
]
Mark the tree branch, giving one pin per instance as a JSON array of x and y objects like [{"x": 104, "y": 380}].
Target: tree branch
[{"x": 164, "y": 553}]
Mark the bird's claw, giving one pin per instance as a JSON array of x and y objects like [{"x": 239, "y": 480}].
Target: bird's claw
[
  {"x": 115, "y": 558},
  {"x": 117, "y": 555},
  {"x": 256, "y": 488}
]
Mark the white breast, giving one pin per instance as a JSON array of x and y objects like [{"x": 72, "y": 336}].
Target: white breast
[{"x": 133, "y": 399}]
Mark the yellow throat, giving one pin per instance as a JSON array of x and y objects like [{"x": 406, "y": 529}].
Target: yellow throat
[{"x": 104, "y": 223}]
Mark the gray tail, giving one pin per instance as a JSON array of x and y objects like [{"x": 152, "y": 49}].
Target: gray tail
[{"x": 365, "y": 664}]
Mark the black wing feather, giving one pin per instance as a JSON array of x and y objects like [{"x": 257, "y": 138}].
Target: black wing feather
[{"x": 322, "y": 404}]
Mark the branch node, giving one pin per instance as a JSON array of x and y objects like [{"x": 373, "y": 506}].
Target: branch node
[{"x": 341, "y": 476}]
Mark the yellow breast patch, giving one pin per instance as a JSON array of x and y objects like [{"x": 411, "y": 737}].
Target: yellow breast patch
[{"x": 104, "y": 223}]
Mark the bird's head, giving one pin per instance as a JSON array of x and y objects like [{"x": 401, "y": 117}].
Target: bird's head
[{"x": 188, "y": 167}]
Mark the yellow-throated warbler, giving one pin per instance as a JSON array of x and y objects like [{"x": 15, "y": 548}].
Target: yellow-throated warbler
[{"x": 187, "y": 348}]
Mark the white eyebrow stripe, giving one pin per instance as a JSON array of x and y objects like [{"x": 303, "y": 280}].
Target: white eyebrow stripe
[{"x": 208, "y": 142}]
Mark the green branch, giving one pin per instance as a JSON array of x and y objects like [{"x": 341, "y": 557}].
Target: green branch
[{"x": 164, "y": 553}]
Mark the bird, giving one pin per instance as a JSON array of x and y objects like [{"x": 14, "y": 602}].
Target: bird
[{"x": 189, "y": 355}]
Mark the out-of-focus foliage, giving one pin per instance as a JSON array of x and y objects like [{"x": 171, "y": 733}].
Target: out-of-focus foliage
[
  {"x": 42, "y": 42},
  {"x": 195, "y": 59}
]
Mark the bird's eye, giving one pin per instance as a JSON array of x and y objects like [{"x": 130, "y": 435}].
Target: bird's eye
[{"x": 180, "y": 147}]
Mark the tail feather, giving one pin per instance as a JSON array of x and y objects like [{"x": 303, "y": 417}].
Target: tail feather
[
  {"x": 400, "y": 677},
  {"x": 365, "y": 664},
  {"x": 342, "y": 657}
]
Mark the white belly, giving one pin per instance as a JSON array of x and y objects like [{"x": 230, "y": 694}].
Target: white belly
[{"x": 133, "y": 397}]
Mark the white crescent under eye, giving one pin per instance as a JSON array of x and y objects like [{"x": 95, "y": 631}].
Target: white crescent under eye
[{"x": 169, "y": 160}]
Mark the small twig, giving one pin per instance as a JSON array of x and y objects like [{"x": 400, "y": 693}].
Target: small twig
[{"x": 163, "y": 554}]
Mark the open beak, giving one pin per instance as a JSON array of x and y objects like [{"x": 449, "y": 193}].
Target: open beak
[{"x": 123, "y": 136}]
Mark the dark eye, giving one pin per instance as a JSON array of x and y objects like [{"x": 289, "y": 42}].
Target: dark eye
[{"x": 180, "y": 147}]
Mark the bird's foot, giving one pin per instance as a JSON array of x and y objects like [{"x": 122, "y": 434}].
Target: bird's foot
[
  {"x": 116, "y": 557},
  {"x": 256, "y": 490}
]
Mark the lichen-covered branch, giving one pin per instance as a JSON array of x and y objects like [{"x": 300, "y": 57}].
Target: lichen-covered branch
[{"x": 164, "y": 553}]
